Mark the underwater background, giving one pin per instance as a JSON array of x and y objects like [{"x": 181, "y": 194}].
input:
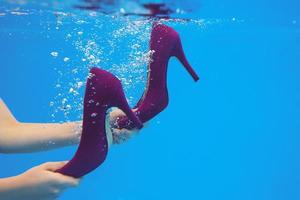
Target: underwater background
[{"x": 233, "y": 135}]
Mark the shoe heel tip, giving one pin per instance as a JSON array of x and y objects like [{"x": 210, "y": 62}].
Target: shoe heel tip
[{"x": 196, "y": 78}]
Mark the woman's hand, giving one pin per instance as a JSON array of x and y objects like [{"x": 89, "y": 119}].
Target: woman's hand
[
  {"x": 120, "y": 135},
  {"x": 38, "y": 183}
]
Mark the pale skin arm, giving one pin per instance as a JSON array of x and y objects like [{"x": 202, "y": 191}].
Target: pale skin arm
[
  {"x": 18, "y": 137},
  {"x": 42, "y": 182}
]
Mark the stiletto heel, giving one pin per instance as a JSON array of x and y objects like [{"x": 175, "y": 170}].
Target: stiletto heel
[
  {"x": 179, "y": 54},
  {"x": 165, "y": 42},
  {"x": 123, "y": 105},
  {"x": 103, "y": 91}
]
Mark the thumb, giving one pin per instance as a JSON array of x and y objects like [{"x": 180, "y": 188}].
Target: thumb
[{"x": 53, "y": 166}]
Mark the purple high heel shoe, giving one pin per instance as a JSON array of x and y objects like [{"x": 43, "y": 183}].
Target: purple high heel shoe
[
  {"x": 103, "y": 91},
  {"x": 166, "y": 43}
]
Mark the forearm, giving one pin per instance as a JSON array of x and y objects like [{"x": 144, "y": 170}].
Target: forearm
[
  {"x": 9, "y": 188},
  {"x": 16, "y": 137},
  {"x": 30, "y": 137}
]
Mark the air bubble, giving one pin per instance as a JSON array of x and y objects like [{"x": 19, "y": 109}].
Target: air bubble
[
  {"x": 54, "y": 53},
  {"x": 91, "y": 101},
  {"x": 94, "y": 114}
]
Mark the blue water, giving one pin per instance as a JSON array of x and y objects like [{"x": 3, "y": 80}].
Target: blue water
[{"x": 233, "y": 135}]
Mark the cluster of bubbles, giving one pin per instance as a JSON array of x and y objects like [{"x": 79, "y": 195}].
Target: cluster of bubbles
[{"x": 114, "y": 42}]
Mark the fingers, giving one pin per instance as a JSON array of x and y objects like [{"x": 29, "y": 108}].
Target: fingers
[
  {"x": 114, "y": 114},
  {"x": 122, "y": 135},
  {"x": 66, "y": 181},
  {"x": 118, "y": 136},
  {"x": 53, "y": 166}
]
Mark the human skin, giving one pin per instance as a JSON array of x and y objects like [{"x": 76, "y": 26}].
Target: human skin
[
  {"x": 38, "y": 183},
  {"x": 42, "y": 182},
  {"x": 19, "y": 137}
]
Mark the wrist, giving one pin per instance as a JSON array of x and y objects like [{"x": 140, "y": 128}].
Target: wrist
[
  {"x": 77, "y": 130},
  {"x": 64, "y": 134}
]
